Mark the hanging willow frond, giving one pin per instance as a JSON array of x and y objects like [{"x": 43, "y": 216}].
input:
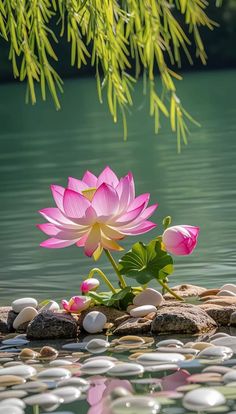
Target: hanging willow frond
[{"x": 119, "y": 38}]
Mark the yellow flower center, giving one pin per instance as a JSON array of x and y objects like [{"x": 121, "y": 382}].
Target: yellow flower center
[{"x": 89, "y": 193}]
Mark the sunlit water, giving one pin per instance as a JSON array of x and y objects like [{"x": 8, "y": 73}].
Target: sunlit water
[{"x": 40, "y": 146}]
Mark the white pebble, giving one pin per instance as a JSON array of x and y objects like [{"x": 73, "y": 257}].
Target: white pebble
[
  {"x": 25, "y": 315},
  {"x": 19, "y": 304},
  {"x": 94, "y": 322},
  {"x": 148, "y": 296},
  {"x": 142, "y": 311},
  {"x": 203, "y": 398},
  {"x": 229, "y": 286}
]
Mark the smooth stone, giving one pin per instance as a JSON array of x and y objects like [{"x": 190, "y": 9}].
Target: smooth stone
[
  {"x": 80, "y": 383},
  {"x": 75, "y": 346},
  {"x": 14, "y": 402},
  {"x": 206, "y": 377},
  {"x": 12, "y": 394},
  {"x": 217, "y": 368},
  {"x": 68, "y": 393},
  {"x": 48, "y": 353},
  {"x": 94, "y": 322},
  {"x": 126, "y": 369},
  {"x": 141, "y": 311},
  {"x": 97, "y": 366},
  {"x": 148, "y": 296},
  {"x": 11, "y": 409},
  {"x": 24, "y": 371},
  {"x": 8, "y": 380},
  {"x": 225, "y": 293},
  {"x": 201, "y": 399},
  {"x": 135, "y": 404},
  {"x": 184, "y": 351},
  {"x": 167, "y": 342},
  {"x": 161, "y": 367},
  {"x": 51, "y": 306},
  {"x": 155, "y": 358},
  {"x": 97, "y": 346},
  {"x": 15, "y": 342},
  {"x": 54, "y": 374},
  {"x": 25, "y": 315},
  {"x": 200, "y": 346},
  {"x": 32, "y": 386},
  {"x": 216, "y": 352},
  {"x": 27, "y": 354},
  {"x": 218, "y": 335},
  {"x": 19, "y": 304},
  {"x": 47, "y": 401},
  {"x": 130, "y": 340},
  {"x": 230, "y": 376},
  {"x": 60, "y": 363},
  {"x": 229, "y": 286},
  {"x": 119, "y": 392},
  {"x": 12, "y": 364},
  {"x": 229, "y": 341}
]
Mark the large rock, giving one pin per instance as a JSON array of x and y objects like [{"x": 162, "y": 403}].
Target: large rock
[
  {"x": 186, "y": 291},
  {"x": 182, "y": 319},
  {"x": 52, "y": 325},
  {"x": 7, "y": 317},
  {"x": 220, "y": 314},
  {"x": 133, "y": 326}
]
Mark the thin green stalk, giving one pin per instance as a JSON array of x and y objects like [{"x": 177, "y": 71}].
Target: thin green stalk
[
  {"x": 36, "y": 409},
  {"x": 166, "y": 287},
  {"x": 103, "y": 276},
  {"x": 115, "y": 267}
]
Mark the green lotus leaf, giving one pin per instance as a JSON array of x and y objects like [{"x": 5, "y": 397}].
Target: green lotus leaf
[{"x": 146, "y": 262}]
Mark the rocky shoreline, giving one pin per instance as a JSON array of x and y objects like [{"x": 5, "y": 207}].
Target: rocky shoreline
[{"x": 204, "y": 310}]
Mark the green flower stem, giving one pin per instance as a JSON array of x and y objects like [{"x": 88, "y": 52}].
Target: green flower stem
[
  {"x": 166, "y": 287},
  {"x": 115, "y": 267},
  {"x": 36, "y": 409},
  {"x": 103, "y": 276}
]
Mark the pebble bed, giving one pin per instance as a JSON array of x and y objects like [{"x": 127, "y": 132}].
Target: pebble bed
[{"x": 130, "y": 374}]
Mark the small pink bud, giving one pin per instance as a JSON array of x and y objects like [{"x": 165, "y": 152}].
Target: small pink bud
[
  {"x": 76, "y": 304},
  {"x": 180, "y": 240},
  {"x": 89, "y": 284}
]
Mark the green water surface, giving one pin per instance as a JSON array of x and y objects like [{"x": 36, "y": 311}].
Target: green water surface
[{"x": 40, "y": 146}]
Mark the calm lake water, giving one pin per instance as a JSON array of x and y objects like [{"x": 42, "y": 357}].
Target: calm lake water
[{"x": 40, "y": 146}]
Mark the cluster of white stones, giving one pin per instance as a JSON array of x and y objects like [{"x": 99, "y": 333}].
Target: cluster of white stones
[{"x": 145, "y": 303}]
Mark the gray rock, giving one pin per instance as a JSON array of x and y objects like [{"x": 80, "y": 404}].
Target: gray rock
[
  {"x": 220, "y": 314},
  {"x": 233, "y": 319},
  {"x": 134, "y": 326},
  {"x": 52, "y": 325},
  {"x": 7, "y": 317},
  {"x": 182, "y": 320}
]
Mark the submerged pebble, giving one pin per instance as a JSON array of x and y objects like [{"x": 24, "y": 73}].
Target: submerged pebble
[
  {"x": 54, "y": 374},
  {"x": 97, "y": 346},
  {"x": 67, "y": 393},
  {"x": 24, "y": 371},
  {"x": 220, "y": 353},
  {"x": 202, "y": 399},
  {"x": 154, "y": 358},
  {"x": 126, "y": 370},
  {"x": 97, "y": 366},
  {"x": 135, "y": 405}
]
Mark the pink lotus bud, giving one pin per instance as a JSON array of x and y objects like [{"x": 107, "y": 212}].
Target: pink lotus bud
[
  {"x": 89, "y": 284},
  {"x": 76, "y": 304},
  {"x": 180, "y": 240}
]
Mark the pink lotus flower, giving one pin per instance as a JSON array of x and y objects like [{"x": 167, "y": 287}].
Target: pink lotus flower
[
  {"x": 76, "y": 304},
  {"x": 89, "y": 284},
  {"x": 95, "y": 212},
  {"x": 180, "y": 240}
]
